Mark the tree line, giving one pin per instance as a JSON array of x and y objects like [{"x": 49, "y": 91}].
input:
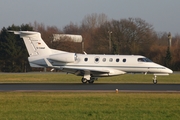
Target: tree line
[{"x": 130, "y": 36}]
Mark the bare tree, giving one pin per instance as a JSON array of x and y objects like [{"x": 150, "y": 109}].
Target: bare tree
[
  {"x": 94, "y": 21},
  {"x": 71, "y": 29},
  {"x": 90, "y": 28}
]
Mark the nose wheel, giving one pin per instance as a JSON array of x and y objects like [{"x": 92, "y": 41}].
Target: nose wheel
[{"x": 155, "y": 79}]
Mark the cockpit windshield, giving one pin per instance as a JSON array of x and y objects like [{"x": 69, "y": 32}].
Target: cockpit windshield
[{"x": 144, "y": 60}]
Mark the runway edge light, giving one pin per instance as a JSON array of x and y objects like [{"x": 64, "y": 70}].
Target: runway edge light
[{"x": 116, "y": 90}]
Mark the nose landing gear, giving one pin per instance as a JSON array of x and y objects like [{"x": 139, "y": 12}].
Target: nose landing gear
[{"x": 155, "y": 79}]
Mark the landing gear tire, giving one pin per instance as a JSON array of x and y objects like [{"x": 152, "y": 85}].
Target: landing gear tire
[
  {"x": 90, "y": 81},
  {"x": 84, "y": 80},
  {"x": 155, "y": 81}
]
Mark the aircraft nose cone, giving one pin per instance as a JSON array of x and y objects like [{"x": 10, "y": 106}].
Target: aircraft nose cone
[{"x": 169, "y": 70}]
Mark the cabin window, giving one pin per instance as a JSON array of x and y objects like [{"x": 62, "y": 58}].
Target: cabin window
[
  {"x": 124, "y": 60},
  {"x": 85, "y": 59},
  {"x": 104, "y": 59},
  {"x": 96, "y": 59},
  {"x": 117, "y": 60},
  {"x": 110, "y": 59}
]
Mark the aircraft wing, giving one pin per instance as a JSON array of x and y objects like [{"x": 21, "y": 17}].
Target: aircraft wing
[{"x": 100, "y": 71}]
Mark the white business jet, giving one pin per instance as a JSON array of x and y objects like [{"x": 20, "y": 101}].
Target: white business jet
[{"x": 89, "y": 66}]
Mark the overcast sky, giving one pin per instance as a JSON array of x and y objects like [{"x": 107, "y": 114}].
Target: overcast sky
[{"x": 164, "y": 15}]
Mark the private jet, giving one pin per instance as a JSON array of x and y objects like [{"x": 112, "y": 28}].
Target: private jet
[{"x": 89, "y": 66}]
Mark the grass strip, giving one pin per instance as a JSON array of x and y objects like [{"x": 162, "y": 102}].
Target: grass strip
[
  {"x": 89, "y": 106},
  {"x": 69, "y": 78}
]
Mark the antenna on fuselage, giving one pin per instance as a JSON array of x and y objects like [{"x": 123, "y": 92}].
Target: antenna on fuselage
[{"x": 84, "y": 52}]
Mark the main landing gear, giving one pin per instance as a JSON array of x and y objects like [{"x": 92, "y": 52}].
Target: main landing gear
[
  {"x": 85, "y": 80},
  {"x": 155, "y": 79}
]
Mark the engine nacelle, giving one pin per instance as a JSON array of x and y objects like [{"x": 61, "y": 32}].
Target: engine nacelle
[{"x": 64, "y": 57}]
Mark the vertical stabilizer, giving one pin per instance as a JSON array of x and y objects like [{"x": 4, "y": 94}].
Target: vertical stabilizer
[{"x": 34, "y": 43}]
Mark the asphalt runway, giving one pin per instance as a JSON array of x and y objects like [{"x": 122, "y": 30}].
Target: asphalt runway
[{"x": 89, "y": 87}]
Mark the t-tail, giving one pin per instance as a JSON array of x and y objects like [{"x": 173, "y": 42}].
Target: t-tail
[
  {"x": 34, "y": 43},
  {"x": 37, "y": 48}
]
